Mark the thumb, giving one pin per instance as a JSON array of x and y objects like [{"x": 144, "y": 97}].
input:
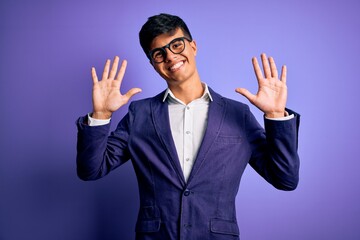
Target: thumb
[
  {"x": 132, "y": 92},
  {"x": 245, "y": 93}
]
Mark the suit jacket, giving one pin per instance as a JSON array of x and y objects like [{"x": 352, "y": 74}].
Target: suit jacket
[{"x": 204, "y": 206}]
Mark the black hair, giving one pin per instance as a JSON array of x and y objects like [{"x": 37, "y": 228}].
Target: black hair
[{"x": 160, "y": 24}]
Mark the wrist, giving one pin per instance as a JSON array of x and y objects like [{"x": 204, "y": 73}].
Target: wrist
[
  {"x": 101, "y": 115},
  {"x": 277, "y": 114}
]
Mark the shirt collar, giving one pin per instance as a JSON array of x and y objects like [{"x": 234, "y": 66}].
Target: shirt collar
[{"x": 206, "y": 95}]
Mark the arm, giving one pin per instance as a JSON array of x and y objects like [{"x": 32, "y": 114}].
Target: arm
[
  {"x": 98, "y": 153},
  {"x": 274, "y": 154}
]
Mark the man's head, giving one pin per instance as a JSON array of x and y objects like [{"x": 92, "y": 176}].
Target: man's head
[
  {"x": 169, "y": 42},
  {"x": 161, "y": 24}
]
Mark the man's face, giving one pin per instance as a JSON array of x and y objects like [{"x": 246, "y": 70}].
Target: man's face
[{"x": 176, "y": 68}]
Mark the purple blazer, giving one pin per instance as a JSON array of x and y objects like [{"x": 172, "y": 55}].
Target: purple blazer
[{"x": 204, "y": 206}]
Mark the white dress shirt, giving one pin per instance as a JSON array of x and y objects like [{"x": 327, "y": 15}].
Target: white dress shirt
[{"x": 188, "y": 123}]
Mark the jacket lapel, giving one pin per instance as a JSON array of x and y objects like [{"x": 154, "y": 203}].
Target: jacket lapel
[
  {"x": 215, "y": 119},
  {"x": 160, "y": 116}
]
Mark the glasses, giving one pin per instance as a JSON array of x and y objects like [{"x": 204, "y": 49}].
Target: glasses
[{"x": 176, "y": 46}]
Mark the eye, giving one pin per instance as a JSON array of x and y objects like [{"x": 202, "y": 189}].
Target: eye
[
  {"x": 157, "y": 54},
  {"x": 178, "y": 44}
]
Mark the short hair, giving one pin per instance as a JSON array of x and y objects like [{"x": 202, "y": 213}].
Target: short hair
[{"x": 160, "y": 24}]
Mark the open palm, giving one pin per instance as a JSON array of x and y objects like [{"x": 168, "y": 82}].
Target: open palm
[
  {"x": 272, "y": 92},
  {"x": 107, "y": 97}
]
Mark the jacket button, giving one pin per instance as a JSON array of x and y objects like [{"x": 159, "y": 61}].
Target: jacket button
[{"x": 187, "y": 193}]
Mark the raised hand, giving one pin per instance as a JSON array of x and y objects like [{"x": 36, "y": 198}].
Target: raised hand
[
  {"x": 272, "y": 92},
  {"x": 107, "y": 97}
]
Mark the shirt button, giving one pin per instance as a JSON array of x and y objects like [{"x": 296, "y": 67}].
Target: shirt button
[
  {"x": 187, "y": 132},
  {"x": 188, "y": 159},
  {"x": 187, "y": 193},
  {"x": 187, "y": 107}
]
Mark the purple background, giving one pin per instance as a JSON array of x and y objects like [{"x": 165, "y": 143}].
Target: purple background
[{"x": 48, "y": 47}]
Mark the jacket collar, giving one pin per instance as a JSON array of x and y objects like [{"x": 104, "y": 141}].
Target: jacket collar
[{"x": 171, "y": 97}]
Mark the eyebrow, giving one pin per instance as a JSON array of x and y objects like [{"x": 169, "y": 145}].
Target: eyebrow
[{"x": 167, "y": 43}]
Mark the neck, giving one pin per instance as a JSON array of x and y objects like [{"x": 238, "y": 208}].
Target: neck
[{"x": 187, "y": 91}]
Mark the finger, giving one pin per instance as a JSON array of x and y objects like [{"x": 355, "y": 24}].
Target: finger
[
  {"x": 257, "y": 69},
  {"x": 132, "y": 92},
  {"x": 266, "y": 66},
  {"x": 283, "y": 74},
  {"x": 106, "y": 70},
  {"x": 121, "y": 73},
  {"x": 245, "y": 93},
  {"x": 94, "y": 76},
  {"x": 114, "y": 68},
  {"x": 274, "y": 72}
]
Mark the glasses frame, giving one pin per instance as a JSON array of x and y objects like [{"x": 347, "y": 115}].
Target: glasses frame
[{"x": 163, "y": 49}]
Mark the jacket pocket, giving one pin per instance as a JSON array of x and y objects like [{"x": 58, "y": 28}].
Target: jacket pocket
[
  {"x": 148, "y": 220},
  {"x": 148, "y": 225},
  {"x": 229, "y": 139},
  {"x": 224, "y": 227}
]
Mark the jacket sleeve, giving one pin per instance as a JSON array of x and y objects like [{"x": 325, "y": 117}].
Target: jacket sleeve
[
  {"x": 274, "y": 151},
  {"x": 98, "y": 153}
]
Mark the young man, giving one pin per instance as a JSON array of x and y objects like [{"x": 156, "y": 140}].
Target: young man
[{"x": 189, "y": 146}]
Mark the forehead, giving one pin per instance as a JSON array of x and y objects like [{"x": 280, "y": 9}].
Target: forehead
[{"x": 165, "y": 38}]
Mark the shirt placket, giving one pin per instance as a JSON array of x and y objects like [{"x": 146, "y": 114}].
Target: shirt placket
[{"x": 188, "y": 140}]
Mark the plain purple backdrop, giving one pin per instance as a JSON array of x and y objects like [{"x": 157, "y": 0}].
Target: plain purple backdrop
[{"x": 48, "y": 47}]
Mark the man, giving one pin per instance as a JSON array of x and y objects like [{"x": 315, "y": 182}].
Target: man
[{"x": 189, "y": 146}]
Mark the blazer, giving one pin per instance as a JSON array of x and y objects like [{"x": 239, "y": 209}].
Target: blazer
[{"x": 203, "y": 207}]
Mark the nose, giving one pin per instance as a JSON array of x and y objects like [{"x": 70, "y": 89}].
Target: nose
[{"x": 170, "y": 56}]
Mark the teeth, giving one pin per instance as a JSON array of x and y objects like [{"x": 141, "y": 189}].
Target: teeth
[{"x": 176, "y": 66}]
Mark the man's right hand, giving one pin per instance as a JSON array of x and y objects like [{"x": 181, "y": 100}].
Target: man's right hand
[{"x": 107, "y": 97}]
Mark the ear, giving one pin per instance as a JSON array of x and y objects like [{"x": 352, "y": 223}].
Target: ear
[{"x": 193, "y": 46}]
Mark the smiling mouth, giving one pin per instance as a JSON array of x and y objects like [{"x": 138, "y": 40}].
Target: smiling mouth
[{"x": 176, "y": 66}]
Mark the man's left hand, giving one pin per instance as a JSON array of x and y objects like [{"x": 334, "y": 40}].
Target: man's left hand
[{"x": 272, "y": 91}]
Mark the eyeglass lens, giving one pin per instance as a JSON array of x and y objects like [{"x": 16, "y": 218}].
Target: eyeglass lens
[{"x": 176, "y": 46}]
